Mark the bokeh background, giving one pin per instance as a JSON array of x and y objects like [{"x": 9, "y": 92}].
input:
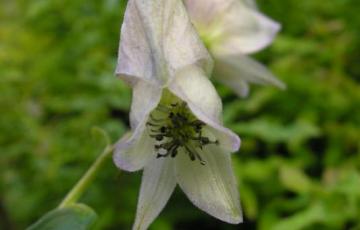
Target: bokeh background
[{"x": 298, "y": 167}]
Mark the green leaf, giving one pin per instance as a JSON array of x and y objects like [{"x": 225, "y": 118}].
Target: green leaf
[
  {"x": 273, "y": 132},
  {"x": 294, "y": 179},
  {"x": 301, "y": 220},
  {"x": 72, "y": 217}
]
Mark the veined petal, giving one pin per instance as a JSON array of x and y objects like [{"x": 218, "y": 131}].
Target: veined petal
[
  {"x": 158, "y": 183},
  {"x": 145, "y": 99},
  {"x": 249, "y": 3},
  {"x": 231, "y": 26},
  {"x": 239, "y": 86},
  {"x": 133, "y": 151},
  {"x": 193, "y": 87},
  {"x": 157, "y": 38},
  {"x": 203, "y": 13},
  {"x": 236, "y": 70},
  {"x": 243, "y": 30},
  {"x": 134, "y": 58},
  {"x": 211, "y": 187}
]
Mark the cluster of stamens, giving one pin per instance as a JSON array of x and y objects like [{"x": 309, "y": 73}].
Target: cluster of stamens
[{"x": 177, "y": 128}]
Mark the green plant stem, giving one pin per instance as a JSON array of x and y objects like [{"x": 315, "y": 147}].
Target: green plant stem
[{"x": 86, "y": 179}]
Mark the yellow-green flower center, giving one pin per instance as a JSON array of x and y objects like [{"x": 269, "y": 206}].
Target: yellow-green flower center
[{"x": 174, "y": 127}]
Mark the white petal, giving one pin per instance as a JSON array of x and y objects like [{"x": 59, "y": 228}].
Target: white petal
[
  {"x": 239, "y": 86},
  {"x": 243, "y": 30},
  {"x": 203, "y": 13},
  {"x": 232, "y": 26},
  {"x": 236, "y": 70},
  {"x": 249, "y": 3},
  {"x": 211, "y": 187},
  {"x": 157, "y": 38},
  {"x": 158, "y": 183},
  {"x": 145, "y": 99},
  {"x": 132, "y": 152},
  {"x": 193, "y": 87}
]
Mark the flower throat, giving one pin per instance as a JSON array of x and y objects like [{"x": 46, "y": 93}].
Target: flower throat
[{"x": 174, "y": 127}]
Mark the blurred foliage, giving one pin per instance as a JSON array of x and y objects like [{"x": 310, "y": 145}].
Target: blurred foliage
[
  {"x": 75, "y": 216},
  {"x": 299, "y": 164}
]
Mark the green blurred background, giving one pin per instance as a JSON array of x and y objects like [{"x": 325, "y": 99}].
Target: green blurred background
[{"x": 298, "y": 167}]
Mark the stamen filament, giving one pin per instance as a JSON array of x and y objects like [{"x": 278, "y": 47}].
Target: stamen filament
[{"x": 178, "y": 129}]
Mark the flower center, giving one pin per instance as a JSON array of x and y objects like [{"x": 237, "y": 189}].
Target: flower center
[{"x": 174, "y": 127}]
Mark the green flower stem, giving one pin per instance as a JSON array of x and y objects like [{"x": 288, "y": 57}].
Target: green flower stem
[{"x": 87, "y": 178}]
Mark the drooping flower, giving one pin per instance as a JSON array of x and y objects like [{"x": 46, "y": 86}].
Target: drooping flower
[
  {"x": 232, "y": 29},
  {"x": 177, "y": 135}
]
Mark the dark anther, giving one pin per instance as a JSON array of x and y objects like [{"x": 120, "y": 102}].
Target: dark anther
[
  {"x": 197, "y": 123},
  {"x": 159, "y": 137},
  {"x": 191, "y": 153},
  {"x": 204, "y": 140},
  {"x": 174, "y": 153},
  {"x": 163, "y": 129},
  {"x": 178, "y": 131}
]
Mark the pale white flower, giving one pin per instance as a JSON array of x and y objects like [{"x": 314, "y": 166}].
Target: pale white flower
[
  {"x": 176, "y": 134},
  {"x": 231, "y": 29}
]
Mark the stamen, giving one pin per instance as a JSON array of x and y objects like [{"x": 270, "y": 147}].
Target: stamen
[
  {"x": 194, "y": 154},
  {"x": 191, "y": 154},
  {"x": 179, "y": 129},
  {"x": 152, "y": 124},
  {"x": 156, "y": 119},
  {"x": 174, "y": 152}
]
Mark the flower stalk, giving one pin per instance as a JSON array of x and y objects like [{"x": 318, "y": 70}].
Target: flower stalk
[{"x": 86, "y": 180}]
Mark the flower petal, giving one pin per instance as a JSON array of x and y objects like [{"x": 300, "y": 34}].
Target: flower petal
[
  {"x": 211, "y": 187},
  {"x": 249, "y": 3},
  {"x": 193, "y": 87},
  {"x": 243, "y": 30},
  {"x": 239, "y": 86},
  {"x": 157, "y": 38},
  {"x": 203, "y": 13},
  {"x": 145, "y": 99},
  {"x": 231, "y": 26},
  {"x": 133, "y": 151},
  {"x": 158, "y": 183},
  {"x": 236, "y": 70}
]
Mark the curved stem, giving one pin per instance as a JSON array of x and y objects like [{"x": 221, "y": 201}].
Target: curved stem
[{"x": 87, "y": 178}]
